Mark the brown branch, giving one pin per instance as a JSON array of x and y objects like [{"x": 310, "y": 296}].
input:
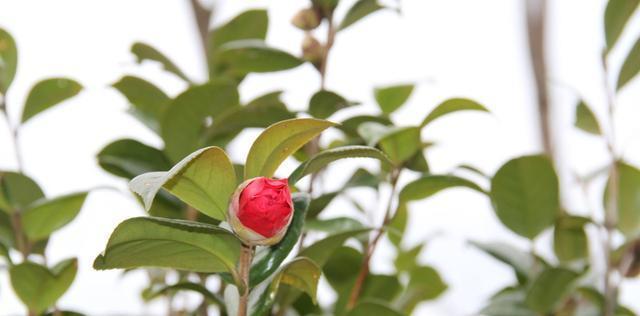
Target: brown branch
[
  {"x": 203, "y": 18},
  {"x": 364, "y": 267},
  {"x": 536, "y": 15}
]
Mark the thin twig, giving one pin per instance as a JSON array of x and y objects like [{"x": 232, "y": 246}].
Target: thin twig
[
  {"x": 203, "y": 18},
  {"x": 364, "y": 267},
  {"x": 15, "y": 135}
]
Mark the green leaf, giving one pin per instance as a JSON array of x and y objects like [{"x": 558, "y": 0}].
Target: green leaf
[
  {"x": 627, "y": 199},
  {"x": 341, "y": 271},
  {"x": 144, "y": 52},
  {"x": 148, "y": 101},
  {"x": 170, "y": 243},
  {"x": 278, "y": 142},
  {"x": 401, "y": 144},
  {"x": 318, "y": 204},
  {"x": 521, "y": 262},
  {"x": 369, "y": 308},
  {"x": 358, "y": 11},
  {"x": 251, "y": 24},
  {"x": 333, "y": 225},
  {"x": 267, "y": 264},
  {"x": 630, "y": 67},
  {"x": 508, "y": 302},
  {"x": 325, "y": 103},
  {"x": 429, "y": 185},
  {"x": 616, "y": 16},
  {"x": 350, "y": 126},
  {"x": 185, "y": 286},
  {"x": 44, "y": 217},
  {"x": 450, "y": 106},
  {"x": 129, "y": 158},
  {"x": 549, "y": 289},
  {"x": 38, "y": 287},
  {"x": 391, "y": 98},
  {"x": 326, "y": 157},
  {"x": 8, "y": 60},
  {"x": 205, "y": 180},
  {"x": 185, "y": 118},
  {"x": 4, "y": 252},
  {"x": 586, "y": 120},
  {"x": 301, "y": 273},
  {"x": 525, "y": 195},
  {"x": 321, "y": 251},
  {"x": 570, "y": 241},
  {"x": 17, "y": 191},
  {"x": 7, "y": 234},
  {"x": 47, "y": 93},
  {"x": 425, "y": 284},
  {"x": 407, "y": 260},
  {"x": 261, "y": 112},
  {"x": 246, "y": 56}
]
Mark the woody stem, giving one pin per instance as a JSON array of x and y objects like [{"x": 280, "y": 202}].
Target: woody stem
[{"x": 246, "y": 254}]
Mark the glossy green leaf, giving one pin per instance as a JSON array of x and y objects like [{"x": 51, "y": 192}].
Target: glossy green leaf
[
  {"x": 425, "y": 284},
  {"x": 47, "y": 93},
  {"x": 362, "y": 178},
  {"x": 261, "y": 112},
  {"x": 321, "y": 202},
  {"x": 185, "y": 286},
  {"x": 129, "y": 158},
  {"x": 369, "y": 308},
  {"x": 401, "y": 144},
  {"x": 8, "y": 60},
  {"x": 170, "y": 243},
  {"x": 358, "y": 11},
  {"x": 44, "y": 217},
  {"x": 321, "y": 251},
  {"x": 205, "y": 180},
  {"x": 38, "y": 287},
  {"x": 341, "y": 271},
  {"x": 251, "y": 24},
  {"x": 418, "y": 162},
  {"x": 267, "y": 264},
  {"x": 149, "y": 102},
  {"x": 570, "y": 241},
  {"x": 7, "y": 234},
  {"x": 185, "y": 119},
  {"x": 630, "y": 67},
  {"x": 391, "y": 98},
  {"x": 525, "y": 195},
  {"x": 522, "y": 262},
  {"x": 278, "y": 142},
  {"x": 450, "y": 106},
  {"x": 17, "y": 191},
  {"x": 144, "y": 52},
  {"x": 406, "y": 260},
  {"x": 325, "y": 103},
  {"x": 350, "y": 126},
  {"x": 326, "y": 157},
  {"x": 246, "y": 56},
  {"x": 586, "y": 120},
  {"x": 616, "y": 16},
  {"x": 301, "y": 273},
  {"x": 509, "y": 302},
  {"x": 549, "y": 289},
  {"x": 4, "y": 252},
  {"x": 333, "y": 225},
  {"x": 628, "y": 202}
]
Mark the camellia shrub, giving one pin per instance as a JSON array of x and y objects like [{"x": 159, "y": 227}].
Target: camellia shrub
[{"x": 252, "y": 237}]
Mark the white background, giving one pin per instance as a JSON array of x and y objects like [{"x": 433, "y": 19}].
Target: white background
[{"x": 469, "y": 48}]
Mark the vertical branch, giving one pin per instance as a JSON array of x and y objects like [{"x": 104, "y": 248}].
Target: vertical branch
[
  {"x": 364, "y": 267},
  {"x": 14, "y": 135},
  {"x": 246, "y": 255},
  {"x": 536, "y": 15},
  {"x": 202, "y": 17}
]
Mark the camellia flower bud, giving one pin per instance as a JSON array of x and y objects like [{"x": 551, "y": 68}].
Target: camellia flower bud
[
  {"x": 307, "y": 19},
  {"x": 312, "y": 50},
  {"x": 260, "y": 211}
]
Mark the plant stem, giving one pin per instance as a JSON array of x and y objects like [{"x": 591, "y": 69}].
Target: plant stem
[
  {"x": 246, "y": 254},
  {"x": 14, "y": 131},
  {"x": 364, "y": 267},
  {"x": 203, "y": 18},
  {"x": 331, "y": 35},
  {"x": 611, "y": 209}
]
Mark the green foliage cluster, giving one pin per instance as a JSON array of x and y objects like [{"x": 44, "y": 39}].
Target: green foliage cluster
[{"x": 185, "y": 185}]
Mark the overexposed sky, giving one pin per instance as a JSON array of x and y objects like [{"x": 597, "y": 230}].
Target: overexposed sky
[{"x": 468, "y": 48}]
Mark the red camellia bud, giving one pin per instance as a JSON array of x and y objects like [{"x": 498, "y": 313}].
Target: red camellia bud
[{"x": 260, "y": 211}]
